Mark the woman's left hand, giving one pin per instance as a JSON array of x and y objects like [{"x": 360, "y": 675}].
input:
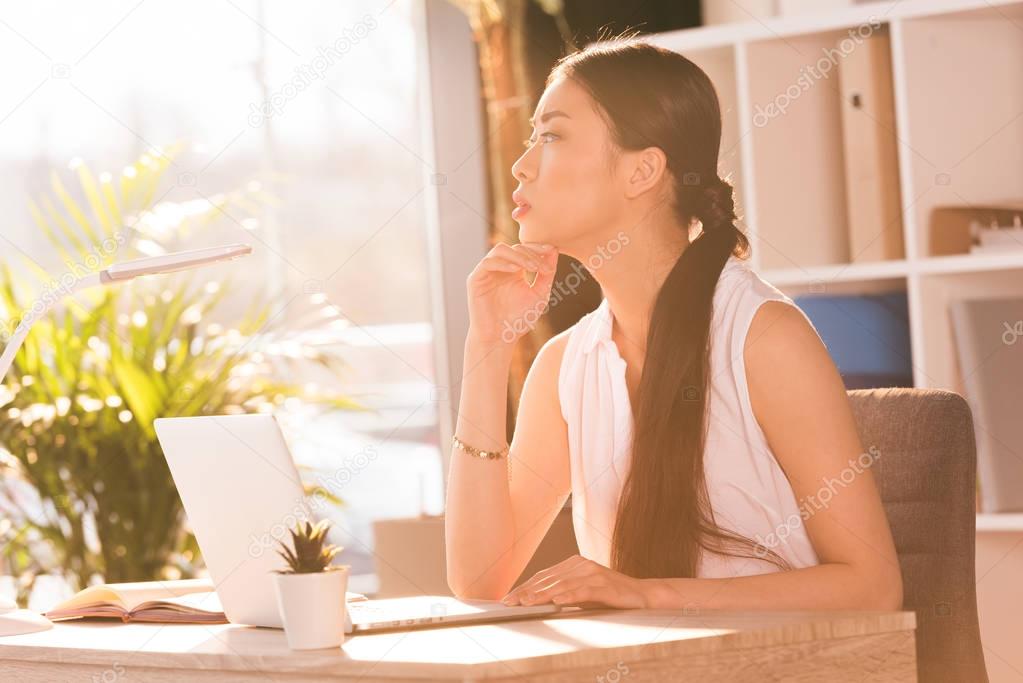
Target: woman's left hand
[{"x": 578, "y": 581}]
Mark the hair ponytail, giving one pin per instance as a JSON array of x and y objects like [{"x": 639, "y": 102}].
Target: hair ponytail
[{"x": 652, "y": 96}]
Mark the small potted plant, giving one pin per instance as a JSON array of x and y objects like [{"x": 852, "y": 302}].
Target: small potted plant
[{"x": 311, "y": 591}]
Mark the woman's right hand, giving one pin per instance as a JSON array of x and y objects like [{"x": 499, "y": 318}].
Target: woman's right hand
[{"x": 503, "y": 305}]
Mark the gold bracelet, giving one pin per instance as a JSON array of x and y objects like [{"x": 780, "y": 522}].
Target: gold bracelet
[{"x": 476, "y": 452}]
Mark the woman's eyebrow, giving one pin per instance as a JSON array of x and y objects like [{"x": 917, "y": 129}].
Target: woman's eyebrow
[{"x": 548, "y": 116}]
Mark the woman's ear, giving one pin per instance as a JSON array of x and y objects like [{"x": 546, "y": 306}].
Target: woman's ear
[{"x": 646, "y": 168}]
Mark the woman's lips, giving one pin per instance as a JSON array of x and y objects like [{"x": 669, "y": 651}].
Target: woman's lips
[{"x": 521, "y": 206}]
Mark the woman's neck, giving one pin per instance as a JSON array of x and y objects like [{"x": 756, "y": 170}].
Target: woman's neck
[{"x": 631, "y": 278}]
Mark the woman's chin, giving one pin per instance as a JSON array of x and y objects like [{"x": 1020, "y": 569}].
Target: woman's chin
[{"x": 528, "y": 232}]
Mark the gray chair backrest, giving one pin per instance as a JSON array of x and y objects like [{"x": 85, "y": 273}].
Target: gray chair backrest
[{"x": 927, "y": 474}]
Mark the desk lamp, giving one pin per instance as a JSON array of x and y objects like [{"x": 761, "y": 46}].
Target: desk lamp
[{"x": 14, "y": 621}]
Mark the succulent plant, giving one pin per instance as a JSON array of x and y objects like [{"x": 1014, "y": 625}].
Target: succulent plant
[{"x": 311, "y": 554}]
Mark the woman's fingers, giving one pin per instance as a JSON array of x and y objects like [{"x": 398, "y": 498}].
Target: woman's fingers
[
  {"x": 545, "y": 577},
  {"x": 541, "y": 294},
  {"x": 562, "y": 589},
  {"x": 502, "y": 290},
  {"x": 555, "y": 583},
  {"x": 543, "y": 282},
  {"x": 540, "y": 249},
  {"x": 499, "y": 264},
  {"x": 538, "y": 256},
  {"x": 529, "y": 259},
  {"x": 544, "y": 574},
  {"x": 525, "y": 258}
]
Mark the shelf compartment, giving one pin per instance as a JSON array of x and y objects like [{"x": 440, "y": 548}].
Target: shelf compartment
[
  {"x": 940, "y": 367},
  {"x": 964, "y": 123},
  {"x": 799, "y": 122}
]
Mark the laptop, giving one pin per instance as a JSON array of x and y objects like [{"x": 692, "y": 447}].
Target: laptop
[{"x": 241, "y": 492}]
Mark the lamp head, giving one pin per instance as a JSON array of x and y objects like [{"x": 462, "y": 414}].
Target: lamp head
[{"x": 168, "y": 263}]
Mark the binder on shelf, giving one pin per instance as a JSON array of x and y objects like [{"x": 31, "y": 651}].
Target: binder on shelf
[
  {"x": 989, "y": 347},
  {"x": 873, "y": 203}
]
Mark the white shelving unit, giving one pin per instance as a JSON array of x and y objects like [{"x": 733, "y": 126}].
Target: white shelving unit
[
  {"x": 1001, "y": 523},
  {"x": 957, "y": 81}
]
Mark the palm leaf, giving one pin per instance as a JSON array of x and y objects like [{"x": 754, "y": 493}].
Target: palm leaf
[
  {"x": 92, "y": 195},
  {"x": 76, "y": 214},
  {"x": 97, "y": 475},
  {"x": 43, "y": 223}
]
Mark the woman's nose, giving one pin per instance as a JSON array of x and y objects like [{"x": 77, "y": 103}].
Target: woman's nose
[{"x": 522, "y": 169}]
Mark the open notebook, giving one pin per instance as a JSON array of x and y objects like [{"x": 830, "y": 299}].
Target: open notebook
[{"x": 184, "y": 601}]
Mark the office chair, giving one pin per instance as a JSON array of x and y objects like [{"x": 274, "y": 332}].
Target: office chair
[{"x": 927, "y": 473}]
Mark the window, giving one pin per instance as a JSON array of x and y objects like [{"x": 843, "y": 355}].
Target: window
[{"x": 313, "y": 110}]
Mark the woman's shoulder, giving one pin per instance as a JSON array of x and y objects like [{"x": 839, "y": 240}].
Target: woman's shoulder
[
  {"x": 550, "y": 355},
  {"x": 556, "y": 353},
  {"x": 582, "y": 334},
  {"x": 738, "y": 273},
  {"x": 742, "y": 297},
  {"x": 741, "y": 291},
  {"x": 554, "y": 349},
  {"x": 758, "y": 307}
]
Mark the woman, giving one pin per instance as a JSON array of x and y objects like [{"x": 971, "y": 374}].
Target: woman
[{"x": 695, "y": 416}]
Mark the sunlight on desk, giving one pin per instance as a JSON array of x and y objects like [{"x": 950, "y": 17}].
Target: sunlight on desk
[{"x": 712, "y": 645}]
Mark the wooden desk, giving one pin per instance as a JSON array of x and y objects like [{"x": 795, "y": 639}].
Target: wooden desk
[{"x": 601, "y": 647}]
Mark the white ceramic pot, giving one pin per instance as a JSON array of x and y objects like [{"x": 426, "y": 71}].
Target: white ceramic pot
[{"x": 313, "y": 607}]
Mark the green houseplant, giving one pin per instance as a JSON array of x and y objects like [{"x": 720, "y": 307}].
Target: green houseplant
[
  {"x": 84, "y": 489},
  {"x": 311, "y": 553},
  {"x": 311, "y": 591}
]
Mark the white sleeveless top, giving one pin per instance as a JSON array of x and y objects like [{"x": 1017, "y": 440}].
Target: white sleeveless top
[{"x": 747, "y": 489}]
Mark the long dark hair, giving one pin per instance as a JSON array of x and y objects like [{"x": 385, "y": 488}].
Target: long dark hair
[{"x": 650, "y": 96}]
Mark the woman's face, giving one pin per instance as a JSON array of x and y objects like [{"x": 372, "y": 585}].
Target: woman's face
[{"x": 568, "y": 191}]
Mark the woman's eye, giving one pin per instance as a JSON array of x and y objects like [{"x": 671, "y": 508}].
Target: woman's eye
[{"x": 546, "y": 137}]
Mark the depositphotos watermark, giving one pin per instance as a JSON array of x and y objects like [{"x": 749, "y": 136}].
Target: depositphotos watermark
[
  {"x": 613, "y": 675},
  {"x": 342, "y": 476},
  {"x": 819, "y": 501},
  {"x": 110, "y": 675},
  {"x": 300, "y": 512},
  {"x": 1012, "y": 332},
  {"x": 809, "y": 75},
  {"x": 62, "y": 286},
  {"x": 562, "y": 288},
  {"x": 304, "y": 508},
  {"x": 305, "y": 74}
]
